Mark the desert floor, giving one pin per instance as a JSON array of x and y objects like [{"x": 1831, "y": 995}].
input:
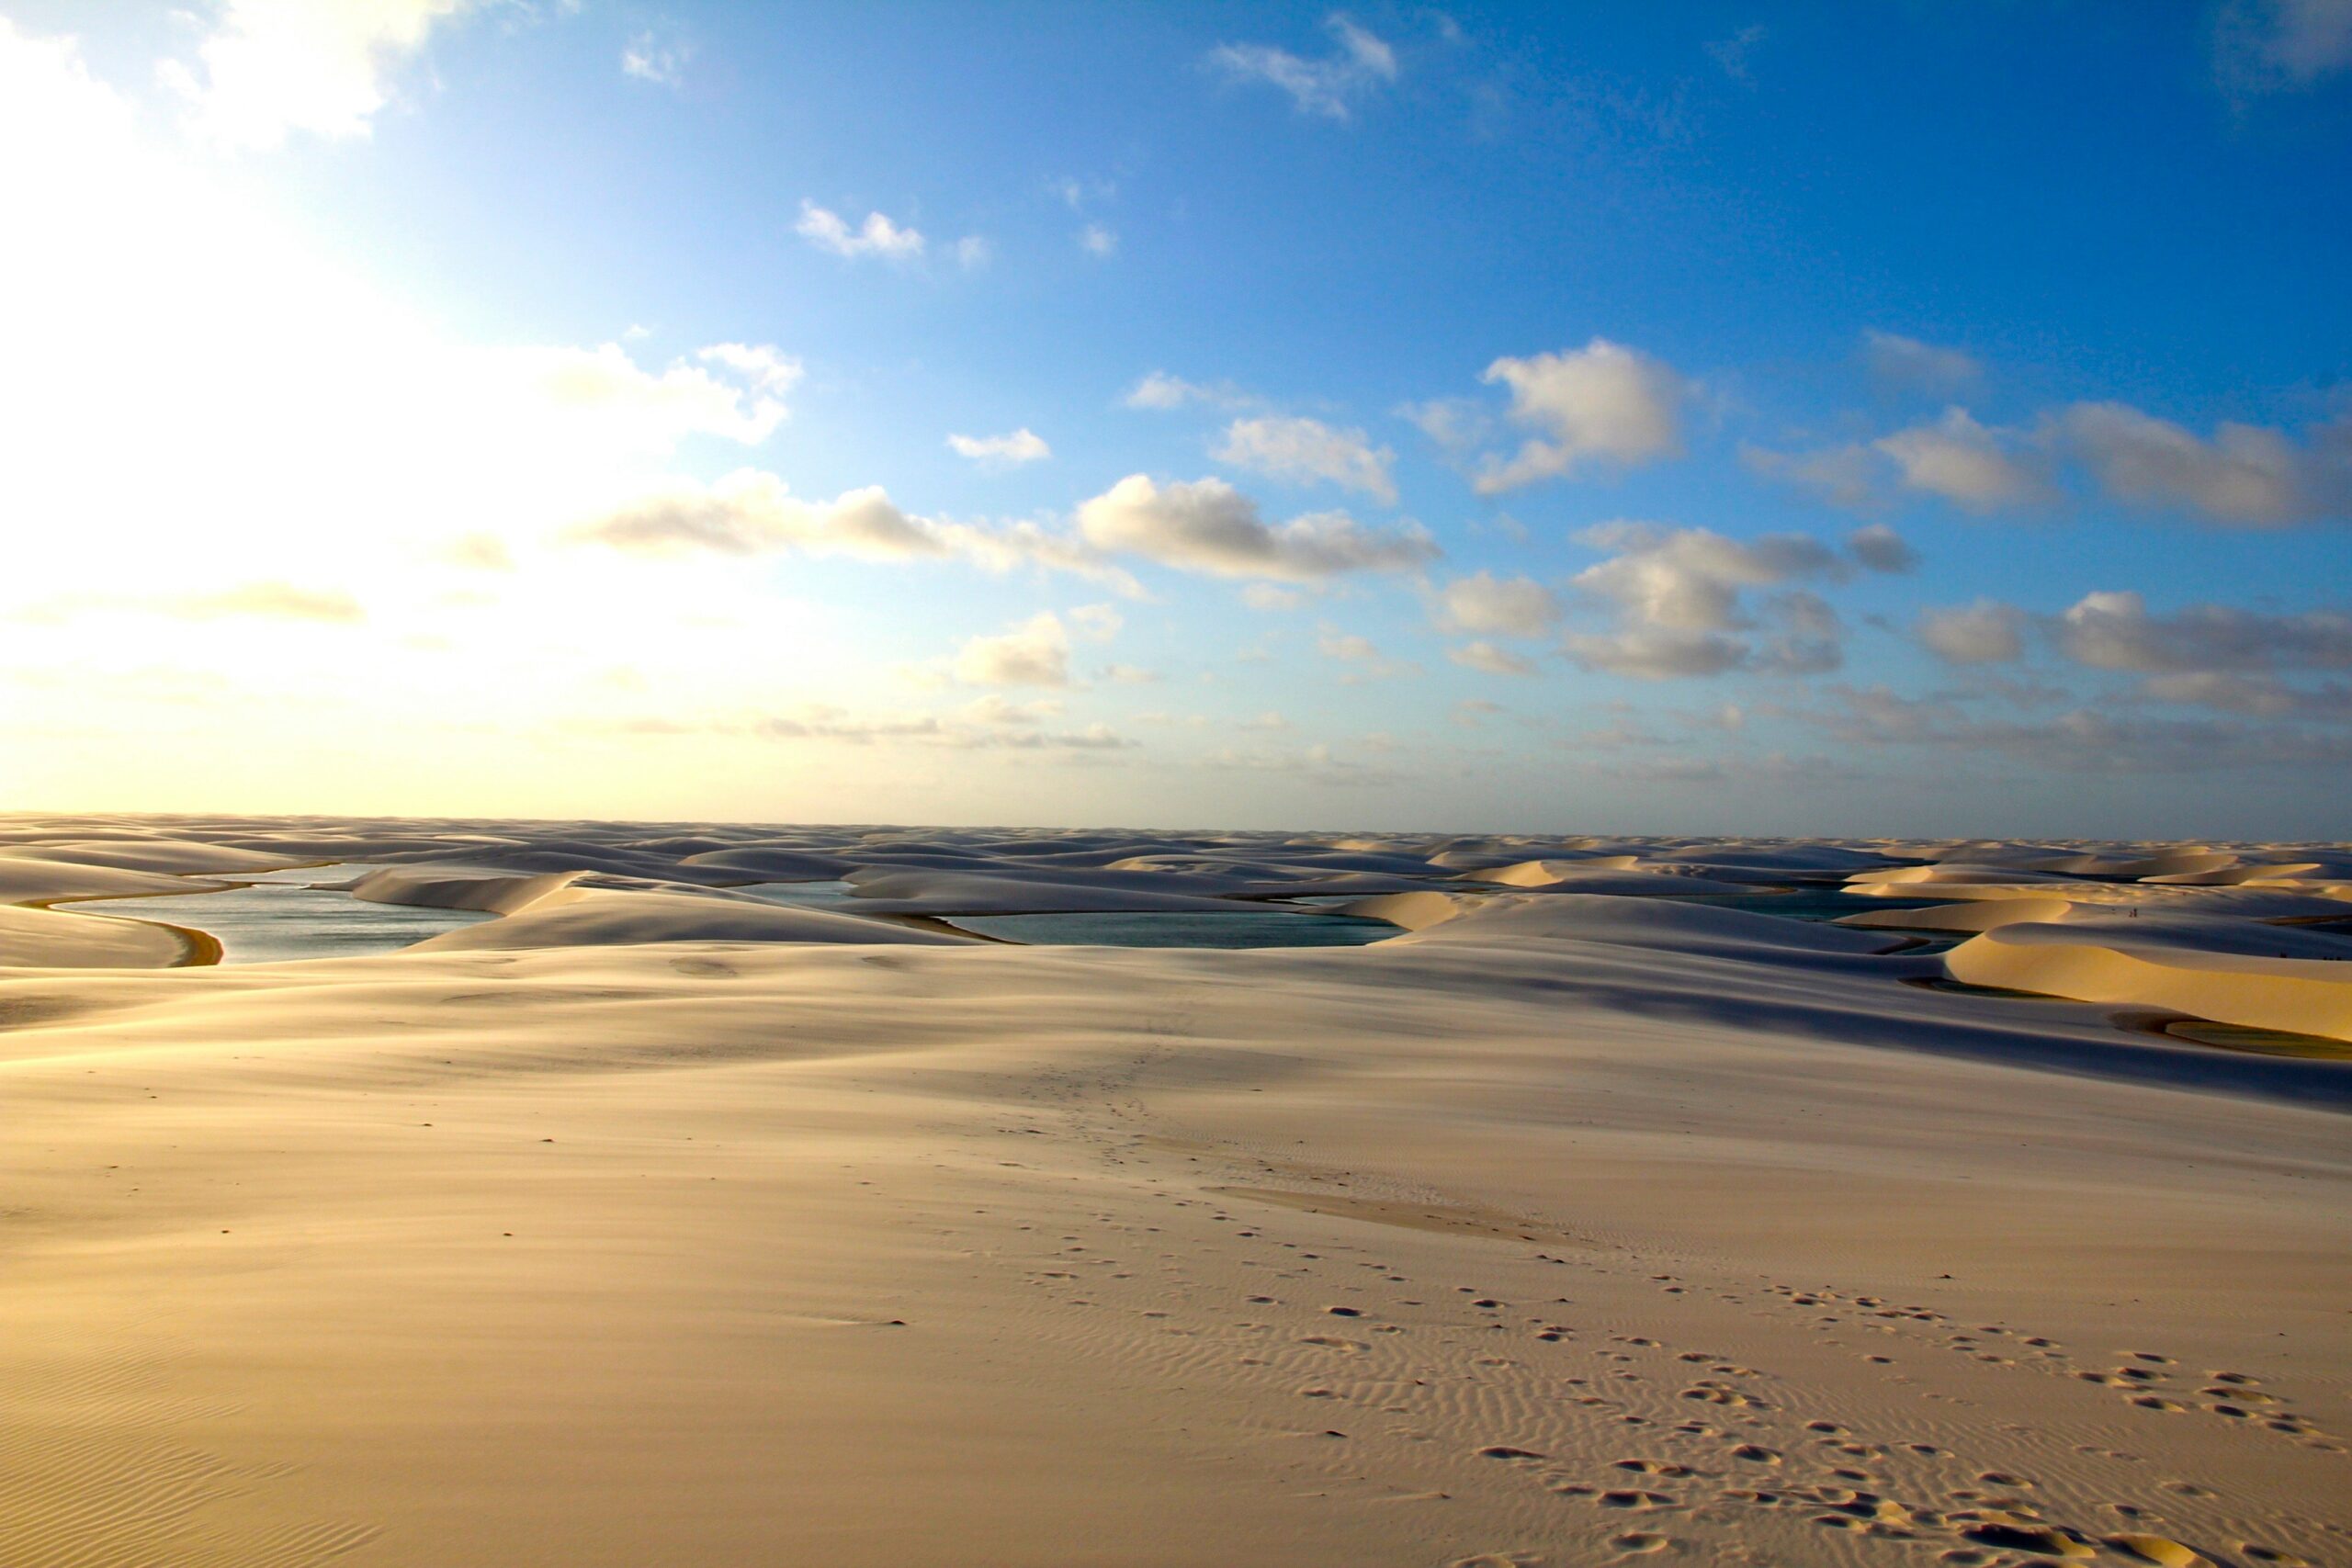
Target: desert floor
[{"x": 634, "y": 1218}]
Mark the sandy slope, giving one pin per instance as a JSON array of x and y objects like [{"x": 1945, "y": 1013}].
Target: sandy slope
[{"x": 1567, "y": 1228}]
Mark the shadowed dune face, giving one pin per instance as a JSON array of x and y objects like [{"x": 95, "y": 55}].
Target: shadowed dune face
[{"x": 648, "y": 1219}]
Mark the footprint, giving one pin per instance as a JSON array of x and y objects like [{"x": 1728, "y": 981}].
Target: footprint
[
  {"x": 1756, "y": 1454},
  {"x": 1634, "y": 1499},
  {"x": 1503, "y": 1450},
  {"x": 1638, "y": 1542},
  {"x": 1657, "y": 1467},
  {"x": 2043, "y": 1539}
]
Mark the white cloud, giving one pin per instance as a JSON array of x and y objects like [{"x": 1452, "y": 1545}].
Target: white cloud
[
  {"x": 1097, "y": 241},
  {"x": 1360, "y": 62},
  {"x": 1653, "y": 653},
  {"x": 1690, "y": 578},
  {"x": 1023, "y": 446},
  {"x": 1881, "y": 549},
  {"x": 973, "y": 252},
  {"x": 2246, "y": 473},
  {"x": 2115, "y": 631},
  {"x": 1304, "y": 451},
  {"x": 269, "y": 68},
  {"x": 606, "y": 391},
  {"x": 1603, "y": 402},
  {"x": 1266, "y": 596},
  {"x": 1207, "y": 525},
  {"x": 1964, "y": 462},
  {"x": 660, "y": 61},
  {"x": 877, "y": 236},
  {"x": 1035, "y": 653},
  {"x": 767, "y": 371},
  {"x": 753, "y": 513},
  {"x": 1986, "y": 632},
  {"x": 1518, "y": 607},
  {"x": 1673, "y": 595},
  {"x": 1489, "y": 659},
  {"x": 1160, "y": 391},
  {"x": 1907, "y": 362}
]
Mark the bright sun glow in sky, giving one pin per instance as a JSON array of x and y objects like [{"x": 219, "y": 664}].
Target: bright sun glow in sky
[{"x": 1599, "y": 419}]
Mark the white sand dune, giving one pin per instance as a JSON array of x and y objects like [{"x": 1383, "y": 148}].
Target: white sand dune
[
  {"x": 49, "y": 939},
  {"x": 438, "y": 887},
  {"x": 653, "y": 1224},
  {"x": 34, "y": 879},
  {"x": 575, "y": 917}
]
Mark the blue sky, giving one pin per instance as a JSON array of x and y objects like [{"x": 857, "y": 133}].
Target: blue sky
[{"x": 1923, "y": 419}]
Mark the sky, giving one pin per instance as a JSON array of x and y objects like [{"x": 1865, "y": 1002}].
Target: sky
[{"x": 1922, "y": 418}]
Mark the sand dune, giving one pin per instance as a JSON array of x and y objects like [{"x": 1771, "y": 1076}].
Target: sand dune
[
  {"x": 45, "y": 938},
  {"x": 2308, "y": 996},
  {"x": 573, "y": 917},
  {"x": 651, "y": 1223}
]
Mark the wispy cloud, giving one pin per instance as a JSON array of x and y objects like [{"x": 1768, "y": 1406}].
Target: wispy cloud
[{"x": 1359, "y": 62}]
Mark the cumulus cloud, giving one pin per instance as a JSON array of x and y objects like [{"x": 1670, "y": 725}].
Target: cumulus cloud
[
  {"x": 1518, "y": 607},
  {"x": 2244, "y": 474},
  {"x": 877, "y": 236},
  {"x": 1487, "y": 659},
  {"x": 1207, "y": 525},
  {"x": 2115, "y": 631},
  {"x": 1674, "y": 595},
  {"x": 754, "y": 512},
  {"x": 1306, "y": 451},
  {"x": 1986, "y": 632},
  {"x": 1602, "y": 403},
  {"x": 612, "y": 397},
  {"x": 1906, "y": 362},
  {"x": 759, "y": 364},
  {"x": 1881, "y": 549},
  {"x": 1023, "y": 446},
  {"x": 1964, "y": 462},
  {"x": 1035, "y": 653},
  {"x": 269, "y": 68},
  {"x": 1097, "y": 241},
  {"x": 1359, "y": 62}
]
